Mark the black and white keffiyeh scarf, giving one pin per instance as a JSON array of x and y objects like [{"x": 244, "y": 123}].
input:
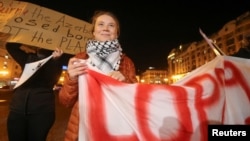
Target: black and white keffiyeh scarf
[{"x": 105, "y": 56}]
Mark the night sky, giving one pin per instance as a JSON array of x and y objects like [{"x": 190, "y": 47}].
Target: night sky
[{"x": 150, "y": 29}]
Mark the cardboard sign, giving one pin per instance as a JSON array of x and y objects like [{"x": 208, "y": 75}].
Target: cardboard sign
[{"x": 34, "y": 25}]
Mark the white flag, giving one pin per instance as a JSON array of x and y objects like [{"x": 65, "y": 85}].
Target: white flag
[{"x": 30, "y": 69}]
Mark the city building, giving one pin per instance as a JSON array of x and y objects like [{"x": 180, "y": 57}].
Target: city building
[
  {"x": 154, "y": 76},
  {"x": 10, "y": 71},
  {"x": 187, "y": 57}
]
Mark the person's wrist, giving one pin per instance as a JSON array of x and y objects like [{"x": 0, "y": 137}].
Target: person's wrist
[{"x": 72, "y": 78}]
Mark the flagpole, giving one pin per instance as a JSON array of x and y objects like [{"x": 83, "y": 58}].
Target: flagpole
[{"x": 214, "y": 47}]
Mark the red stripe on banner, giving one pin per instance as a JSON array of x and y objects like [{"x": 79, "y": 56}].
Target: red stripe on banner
[{"x": 98, "y": 112}]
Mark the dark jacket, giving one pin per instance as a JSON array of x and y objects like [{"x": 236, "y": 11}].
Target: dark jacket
[
  {"x": 243, "y": 53},
  {"x": 36, "y": 95}
]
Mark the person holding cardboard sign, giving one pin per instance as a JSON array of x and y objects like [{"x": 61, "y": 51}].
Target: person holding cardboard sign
[
  {"x": 103, "y": 52},
  {"x": 32, "y": 107}
]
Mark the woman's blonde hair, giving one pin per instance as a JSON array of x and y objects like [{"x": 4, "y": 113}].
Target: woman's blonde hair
[{"x": 103, "y": 12}]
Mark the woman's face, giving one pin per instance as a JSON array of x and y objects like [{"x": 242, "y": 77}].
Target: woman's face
[{"x": 105, "y": 28}]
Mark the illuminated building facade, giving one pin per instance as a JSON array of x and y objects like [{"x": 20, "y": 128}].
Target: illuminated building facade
[
  {"x": 9, "y": 69},
  {"x": 190, "y": 56},
  {"x": 154, "y": 76}
]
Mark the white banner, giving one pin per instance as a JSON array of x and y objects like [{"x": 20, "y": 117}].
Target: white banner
[{"x": 216, "y": 93}]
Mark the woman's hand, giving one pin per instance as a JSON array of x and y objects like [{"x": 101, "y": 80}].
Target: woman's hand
[
  {"x": 76, "y": 67},
  {"x": 57, "y": 53},
  {"x": 117, "y": 75}
]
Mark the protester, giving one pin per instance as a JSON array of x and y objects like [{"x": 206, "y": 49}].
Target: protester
[
  {"x": 32, "y": 107},
  {"x": 244, "y": 51},
  {"x": 105, "y": 53}
]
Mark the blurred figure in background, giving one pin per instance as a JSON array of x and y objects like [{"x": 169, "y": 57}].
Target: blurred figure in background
[
  {"x": 32, "y": 107},
  {"x": 244, "y": 51}
]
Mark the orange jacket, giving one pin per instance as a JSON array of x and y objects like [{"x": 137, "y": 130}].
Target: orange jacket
[{"x": 68, "y": 95}]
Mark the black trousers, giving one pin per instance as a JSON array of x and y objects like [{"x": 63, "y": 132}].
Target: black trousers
[{"x": 33, "y": 127}]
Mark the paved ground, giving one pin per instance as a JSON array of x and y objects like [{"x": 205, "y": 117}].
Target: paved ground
[{"x": 55, "y": 134}]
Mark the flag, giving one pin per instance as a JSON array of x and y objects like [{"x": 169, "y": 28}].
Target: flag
[{"x": 210, "y": 42}]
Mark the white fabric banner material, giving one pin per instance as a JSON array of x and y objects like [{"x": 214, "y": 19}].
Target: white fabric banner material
[{"x": 216, "y": 93}]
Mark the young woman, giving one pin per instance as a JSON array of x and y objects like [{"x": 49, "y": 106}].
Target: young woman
[{"x": 118, "y": 66}]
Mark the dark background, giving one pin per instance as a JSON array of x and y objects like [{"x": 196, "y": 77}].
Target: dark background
[{"x": 151, "y": 29}]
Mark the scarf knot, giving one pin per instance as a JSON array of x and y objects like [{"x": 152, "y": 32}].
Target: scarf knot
[{"x": 105, "y": 55}]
